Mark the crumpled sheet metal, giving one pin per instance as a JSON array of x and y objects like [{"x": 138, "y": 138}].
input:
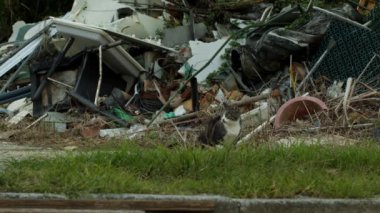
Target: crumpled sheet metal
[{"x": 116, "y": 58}]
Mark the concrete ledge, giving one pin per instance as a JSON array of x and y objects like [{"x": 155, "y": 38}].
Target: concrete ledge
[
  {"x": 225, "y": 204},
  {"x": 310, "y": 205}
]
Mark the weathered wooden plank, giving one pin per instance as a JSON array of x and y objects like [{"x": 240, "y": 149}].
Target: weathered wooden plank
[
  {"x": 18, "y": 210},
  {"x": 146, "y": 205}
]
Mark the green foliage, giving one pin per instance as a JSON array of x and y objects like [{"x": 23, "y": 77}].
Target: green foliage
[
  {"x": 246, "y": 172},
  {"x": 225, "y": 57},
  {"x": 29, "y": 11},
  {"x": 302, "y": 20}
]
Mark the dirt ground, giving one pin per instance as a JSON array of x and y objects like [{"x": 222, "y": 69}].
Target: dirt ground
[{"x": 12, "y": 151}]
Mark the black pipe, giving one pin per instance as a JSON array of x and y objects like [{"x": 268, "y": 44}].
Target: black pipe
[
  {"x": 93, "y": 107},
  {"x": 194, "y": 94},
  {"x": 15, "y": 95},
  {"x": 54, "y": 66}
]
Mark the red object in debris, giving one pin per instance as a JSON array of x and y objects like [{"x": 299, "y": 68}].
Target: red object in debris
[
  {"x": 90, "y": 132},
  {"x": 298, "y": 108}
]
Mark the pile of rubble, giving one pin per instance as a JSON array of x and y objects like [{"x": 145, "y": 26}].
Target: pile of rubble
[{"x": 120, "y": 68}]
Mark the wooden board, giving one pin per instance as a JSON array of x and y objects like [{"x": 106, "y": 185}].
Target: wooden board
[{"x": 145, "y": 205}]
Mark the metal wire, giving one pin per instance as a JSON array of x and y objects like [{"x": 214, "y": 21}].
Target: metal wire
[{"x": 354, "y": 49}]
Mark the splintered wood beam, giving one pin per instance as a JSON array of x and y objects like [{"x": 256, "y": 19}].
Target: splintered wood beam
[{"x": 145, "y": 205}]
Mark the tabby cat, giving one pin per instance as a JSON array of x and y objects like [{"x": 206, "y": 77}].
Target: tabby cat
[{"x": 222, "y": 128}]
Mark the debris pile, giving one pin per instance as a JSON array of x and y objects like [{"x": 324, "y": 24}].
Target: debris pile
[{"x": 121, "y": 68}]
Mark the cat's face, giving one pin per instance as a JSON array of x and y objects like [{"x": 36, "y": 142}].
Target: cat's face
[{"x": 231, "y": 113}]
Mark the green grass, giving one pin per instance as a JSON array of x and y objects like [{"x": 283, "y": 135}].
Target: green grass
[{"x": 245, "y": 172}]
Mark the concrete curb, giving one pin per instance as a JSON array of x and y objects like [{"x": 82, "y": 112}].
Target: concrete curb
[
  {"x": 310, "y": 205},
  {"x": 225, "y": 204}
]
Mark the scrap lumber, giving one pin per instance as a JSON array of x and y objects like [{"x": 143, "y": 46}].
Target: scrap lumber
[{"x": 145, "y": 205}]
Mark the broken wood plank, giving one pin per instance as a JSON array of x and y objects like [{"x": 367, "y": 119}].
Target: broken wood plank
[
  {"x": 251, "y": 100},
  {"x": 34, "y": 210},
  {"x": 146, "y": 205},
  {"x": 181, "y": 118}
]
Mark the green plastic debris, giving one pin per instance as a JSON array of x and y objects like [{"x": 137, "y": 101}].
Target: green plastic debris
[
  {"x": 122, "y": 115},
  {"x": 169, "y": 115}
]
